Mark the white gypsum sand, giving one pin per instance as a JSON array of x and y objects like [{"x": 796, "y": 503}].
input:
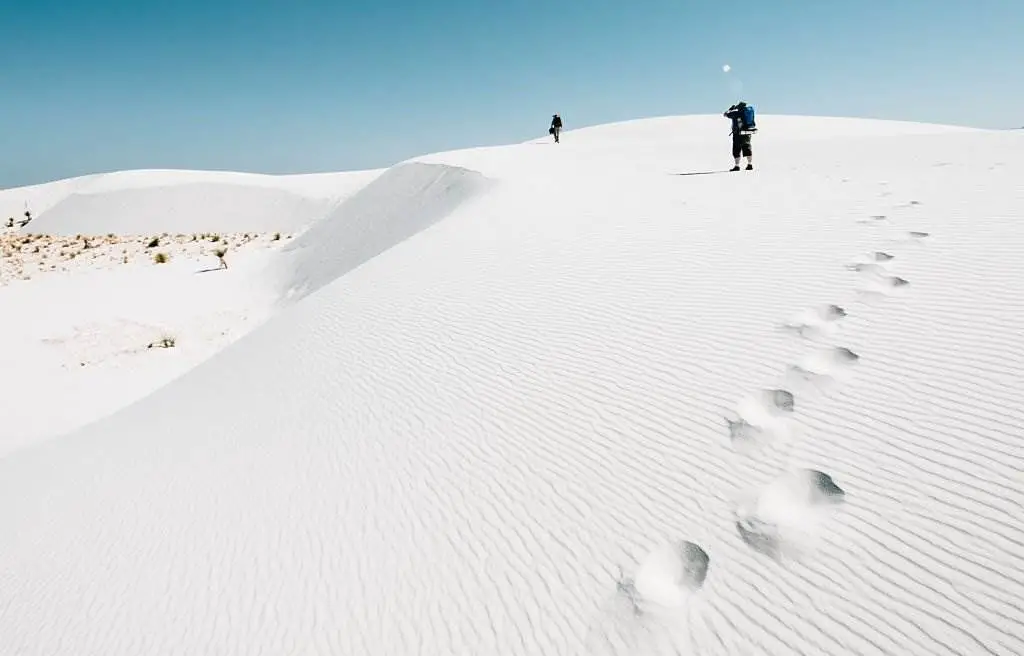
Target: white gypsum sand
[
  {"x": 108, "y": 305},
  {"x": 592, "y": 407}
]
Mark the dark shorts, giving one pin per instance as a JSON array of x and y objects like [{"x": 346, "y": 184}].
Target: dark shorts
[{"x": 741, "y": 145}]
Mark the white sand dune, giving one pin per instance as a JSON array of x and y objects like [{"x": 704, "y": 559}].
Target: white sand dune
[
  {"x": 587, "y": 405},
  {"x": 76, "y": 331},
  {"x": 80, "y": 311},
  {"x": 406, "y": 199},
  {"x": 136, "y": 202}
]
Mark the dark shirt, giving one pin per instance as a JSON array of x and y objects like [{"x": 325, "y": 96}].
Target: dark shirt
[{"x": 736, "y": 115}]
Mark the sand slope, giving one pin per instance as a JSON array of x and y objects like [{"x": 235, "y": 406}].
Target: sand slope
[
  {"x": 83, "y": 298},
  {"x": 136, "y": 202},
  {"x": 81, "y": 316},
  {"x": 602, "y": 408},
  {"x": 403, "y": 201}
]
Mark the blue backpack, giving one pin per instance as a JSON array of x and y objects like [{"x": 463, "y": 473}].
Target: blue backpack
[{"x": 749, "y": 124}]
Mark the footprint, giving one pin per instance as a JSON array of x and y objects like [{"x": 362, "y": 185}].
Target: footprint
[
  {"x": 823, "y": 366},
  {"x": 671, "y": 574},
  {"x": 880, "y": 284},
  {"x": 908, "y": 238},
  {"x": 648, "y": 613},
  {"x": 816, "y": 322},
  {"x": 761, "y": 418},
  {"x": 877, "y": 279},
  {"x": 867, "y": 267},
  {"x": 875, "y": 218},
  {"x": 786, "y": 518},
  {"x": 875, "y": 262}
]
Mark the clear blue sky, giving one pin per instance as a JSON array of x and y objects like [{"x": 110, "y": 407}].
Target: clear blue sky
[{"x": 283, "y": 86}]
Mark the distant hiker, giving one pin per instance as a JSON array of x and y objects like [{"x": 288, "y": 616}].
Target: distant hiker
[
  {"x": 743, "y": 126},
  {"x": 556, "y": 126}
]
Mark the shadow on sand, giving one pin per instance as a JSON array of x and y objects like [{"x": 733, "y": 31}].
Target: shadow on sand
[{"x": 701, "y": 172}]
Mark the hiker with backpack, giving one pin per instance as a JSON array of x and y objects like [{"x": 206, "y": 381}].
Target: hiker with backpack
[
  {"x": 556, "y": 126},
  {"x": 743, "y": 127}
]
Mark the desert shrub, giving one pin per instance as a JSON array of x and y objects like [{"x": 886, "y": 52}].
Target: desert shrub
[
  {"x": 153, "y": 243},
  {"x": 161, "y": 258}
]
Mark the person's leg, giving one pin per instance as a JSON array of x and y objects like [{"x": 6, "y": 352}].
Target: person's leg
[
  {"x": 737, "y": 149},
  {"x": 748, "y": 152}
]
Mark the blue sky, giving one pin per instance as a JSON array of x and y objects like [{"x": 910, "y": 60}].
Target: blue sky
[{"x": 283, "y": 86}]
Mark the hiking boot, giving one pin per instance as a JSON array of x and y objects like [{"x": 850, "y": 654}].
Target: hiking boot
[
  {"x": 735, "y": 168},
  {"x": 750, "y": 167}
]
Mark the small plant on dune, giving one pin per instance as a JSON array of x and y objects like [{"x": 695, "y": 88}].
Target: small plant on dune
[
  {"x": 154, "y": 242},
  {"x": 277, "y": 236},
  {"x": 220, "y": 253},
  {"x": 10, "y": 222},
  {"x": 161, "y": 258},
  {"x": 215, "y": 238},
  {"x": 164, "y": 342}
]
